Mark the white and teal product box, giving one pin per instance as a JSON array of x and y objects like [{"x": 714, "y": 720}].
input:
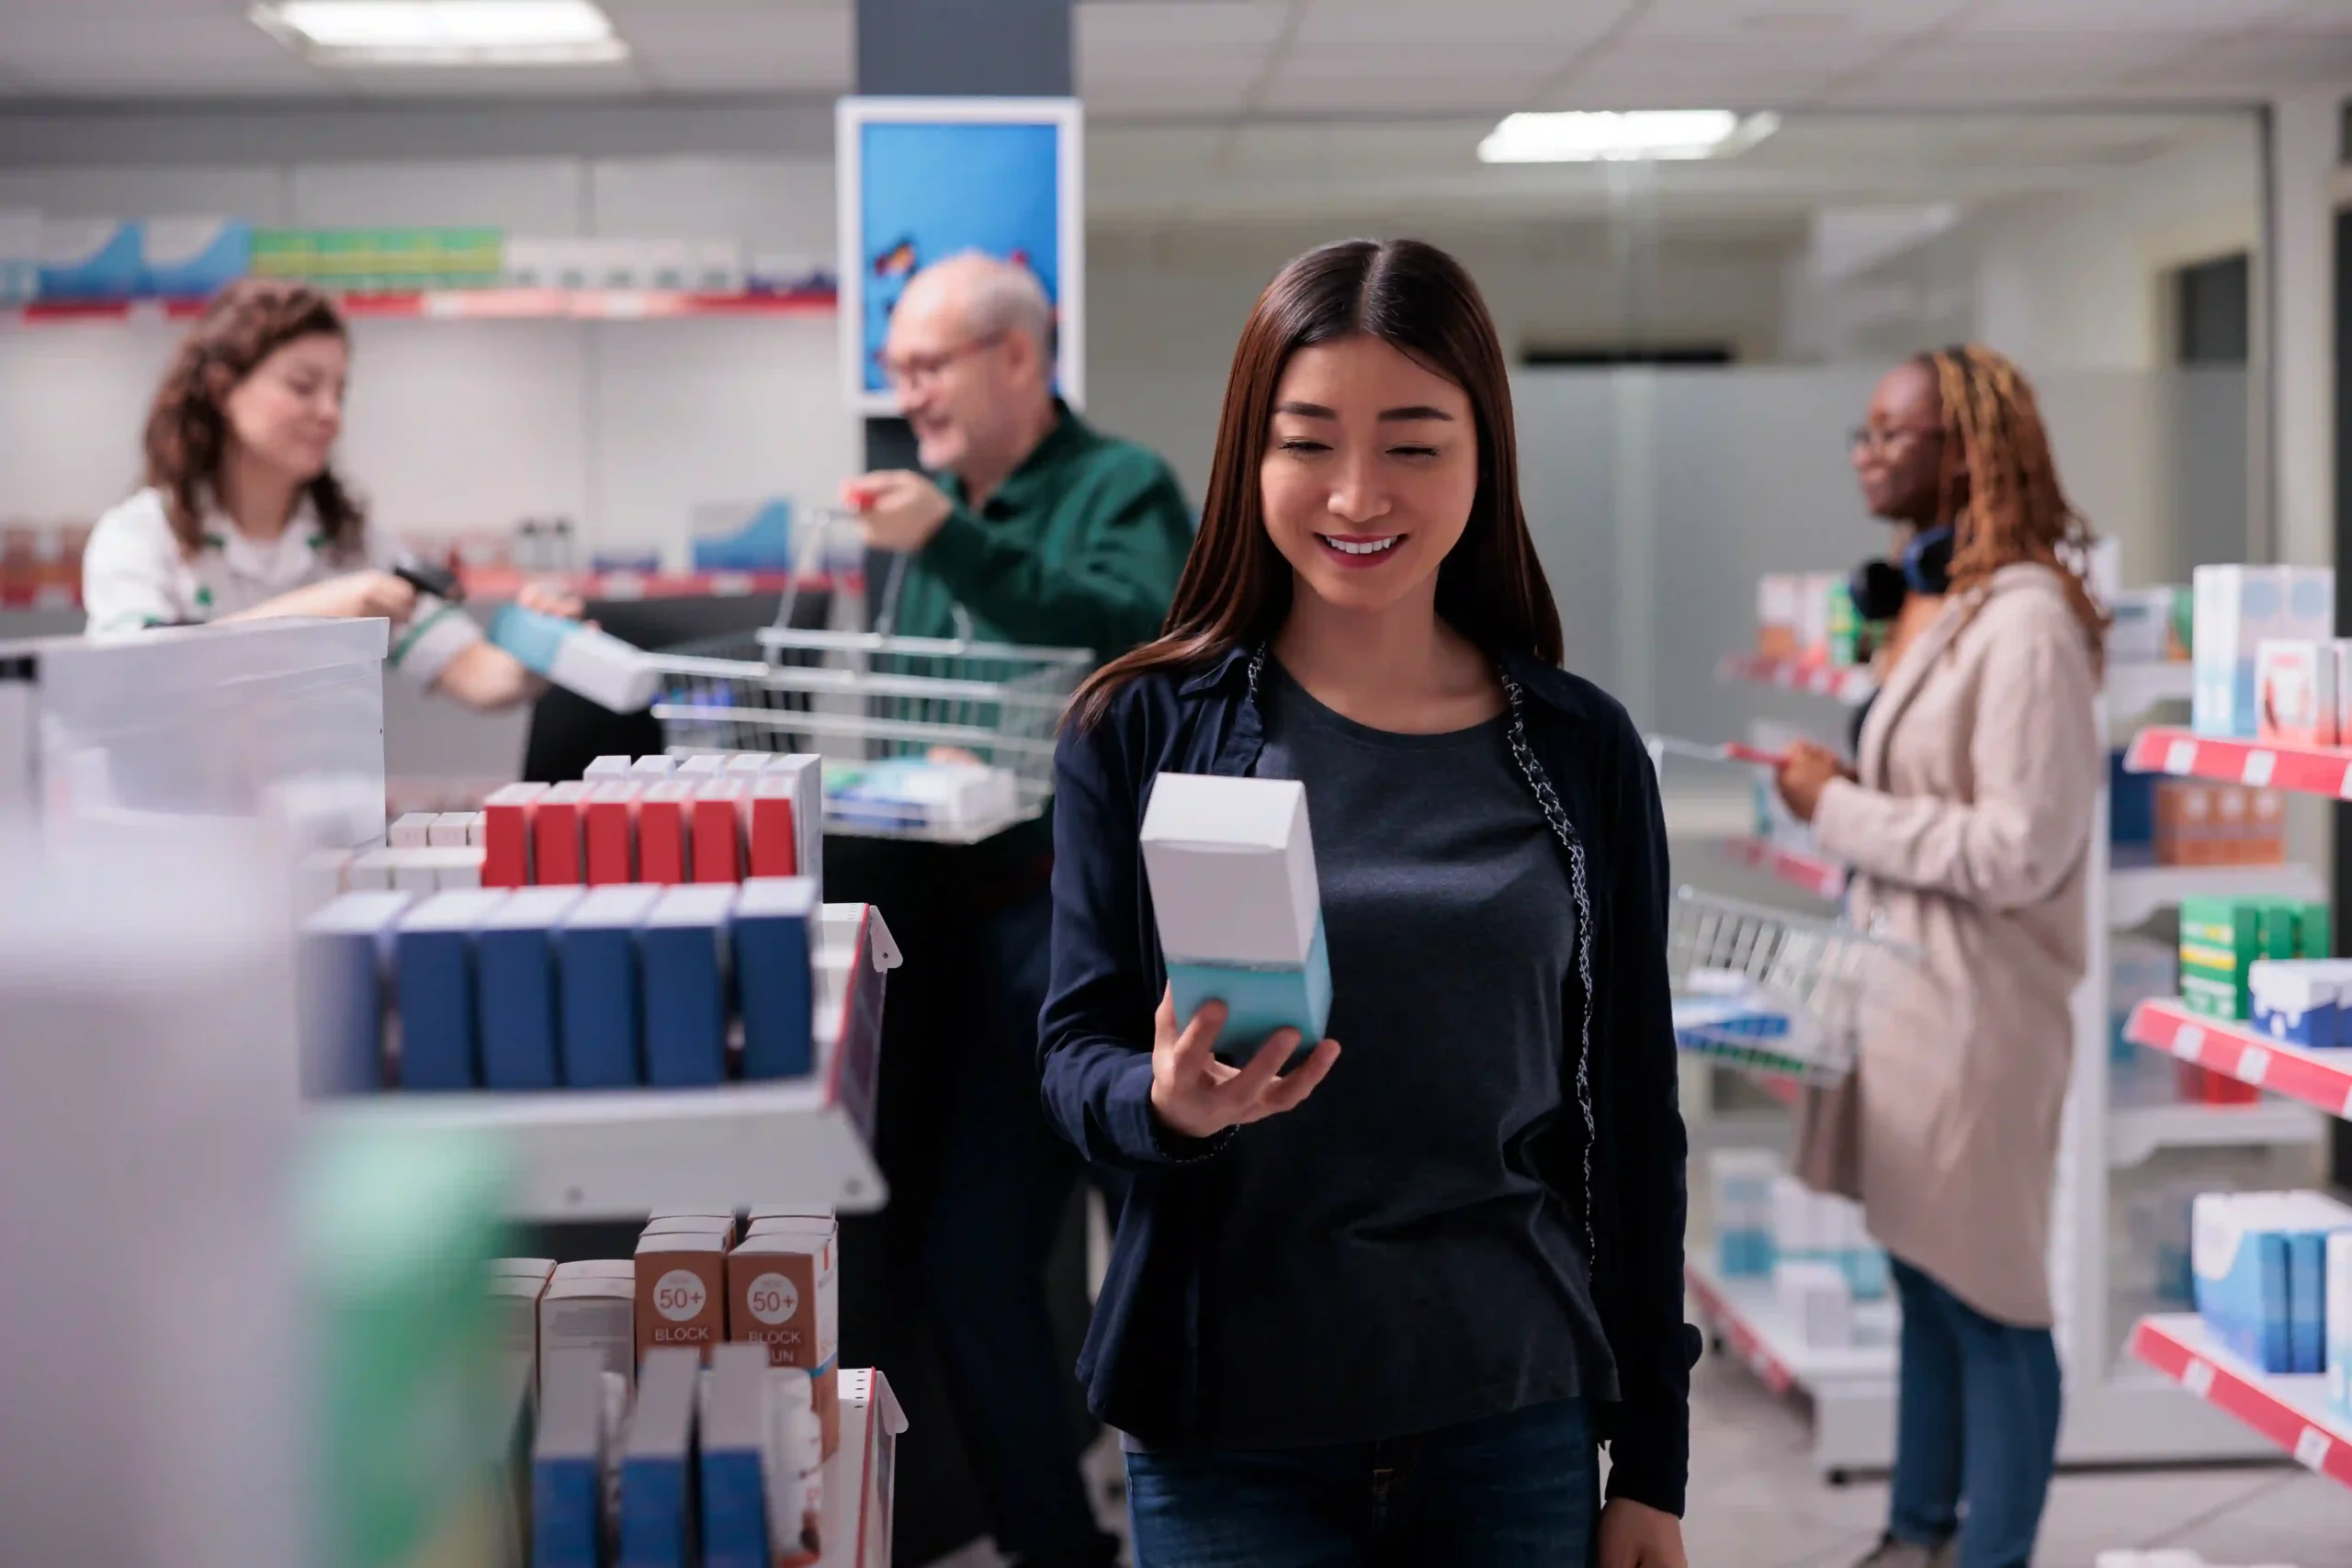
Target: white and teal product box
[
  {"x": 1231, "y": 864},
  {"x": 193, "y": 258},
  {"x": 583, "y": 660},
  {"x": 1742, "y": 1182},
  {"x": 19, "y": 255},
  {"x": 2237, "y": 607},
  {"x": 88, "y": 260}
]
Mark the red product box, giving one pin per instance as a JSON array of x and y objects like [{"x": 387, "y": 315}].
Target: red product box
[
  {"x": 722, "y": 810},
  {"x": 557, "y": 835},
  {"x": 665, "y": 833},
  {"x": 506, "y": 834},
  {"x": 612, "y": 833},
  {"x": 774, "y": 841}
]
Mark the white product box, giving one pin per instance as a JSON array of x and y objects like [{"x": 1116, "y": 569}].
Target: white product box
[
  {"x": 591, "y": 1306},
  {"x": 413, "y": 831},
  {"x": 455, "y": 831},
  {"x": 2236, "y": 607},
  {"x": 2141, "y": 621},
  {"x": 1819, "y": 1302},
  {"x": 653, "y": 767},
  {"x": 2295, "y": 692},
  {"x": 1232, "y": 869},
  {"x": 607, "y": 769}
]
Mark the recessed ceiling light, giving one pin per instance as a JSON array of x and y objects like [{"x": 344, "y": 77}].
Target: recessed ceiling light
[
  {"x": 1589, "y": 137},
  {"x": 444, "y": 32}
]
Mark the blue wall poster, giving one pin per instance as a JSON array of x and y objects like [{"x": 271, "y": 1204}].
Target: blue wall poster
[{"x": 922, "y": 179}]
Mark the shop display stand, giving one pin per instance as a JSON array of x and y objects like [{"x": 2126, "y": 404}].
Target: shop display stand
[
  {"x": 596, "y": 1154},
  {"x": 2115, "y": 1413},
  {"x": 2282, "y": 1412}
]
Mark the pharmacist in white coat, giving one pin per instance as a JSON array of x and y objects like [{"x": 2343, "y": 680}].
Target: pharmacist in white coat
[{"x": 242, "y": 516}]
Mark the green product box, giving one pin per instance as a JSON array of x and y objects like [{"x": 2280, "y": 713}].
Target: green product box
[
  {"x": 2311, "y": 931},
  {"x": 398, "y": 1227},
  {"x": 1844, "y": 627},
  {"x": 2214, "y": 998},
  {"x": 346, "y": 258},
  {"x": 286, "y": 253},
  {"x": 2279, "y": 929}
]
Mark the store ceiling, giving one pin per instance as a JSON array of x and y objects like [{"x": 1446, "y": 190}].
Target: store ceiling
[{"x": 1223, "y": 60}]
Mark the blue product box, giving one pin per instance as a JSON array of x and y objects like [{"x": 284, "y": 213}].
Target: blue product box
[
  {"x": 2307, "y": 1302},
  {"x": 193, "y": 258},
  {"x": 1259, "y": 999},
  {"x": 658, "y": 1524},
  {"x": 438, "y": 992},
  {"x": 515, "y": 957},
  {"x": 345, "y": 989},
  {"x": 1866, "y": 1272},
  {"x": 735, "y": 1399},
  {"x": 567, "y": 1463},
  {"x": 89, "y": 260},
  {"x": 2130, "y": 810},
  {"x": 1744, "y": 1254},
  {"x": 2241, "y": 1273},
  {"x": 2296, "y": 1001},
  {"x": 730, "y": 539},
  {"x": 773, "y": 954},
  {"x": 684, "y": 948},
  {"x": 601, "y": 988}
]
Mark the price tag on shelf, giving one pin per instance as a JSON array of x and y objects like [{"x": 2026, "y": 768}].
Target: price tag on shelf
[
  {"x": 2180, "y": 757},
  {"x": 2259, "y": 766},
  {"x": 2189, "y": 1041},
  {"x": 2254, "y": 1064},
  {"x": 2198, "y": 1377},
  {"x": 2312, "y": 1448}
]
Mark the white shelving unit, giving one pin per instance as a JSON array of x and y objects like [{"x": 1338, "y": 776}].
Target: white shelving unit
[
  {"x": 2112, "y": 1416},
  {"x": 1852, "y": 1388},
  {"x": 598, "y": 1155}
]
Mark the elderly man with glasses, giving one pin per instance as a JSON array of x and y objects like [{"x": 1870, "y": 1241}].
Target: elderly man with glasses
[{"x": 1029, "y": 526}]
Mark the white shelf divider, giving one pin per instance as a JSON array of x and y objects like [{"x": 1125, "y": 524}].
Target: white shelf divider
[
  {"x": 2136, "y": 1133},
  {"x": 2136, "y": 893}
]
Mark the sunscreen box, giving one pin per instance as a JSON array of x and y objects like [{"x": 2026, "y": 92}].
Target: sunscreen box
[
  {"x": 506, "y": 834},
  {"x": 665, "y": 833},
  {"x": 783, "y": 1292},
  {"x": 681, "y": 1291},
  {"x": 344, "y": 992}
]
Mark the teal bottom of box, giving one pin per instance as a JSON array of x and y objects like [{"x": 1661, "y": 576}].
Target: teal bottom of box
[{"x": 1258, "y": 1001}]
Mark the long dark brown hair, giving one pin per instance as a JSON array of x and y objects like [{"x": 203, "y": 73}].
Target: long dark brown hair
[
  {"x": 1236, "y": 587},
  {"x": 2000, "y": 486},
  {"x": 187, "y": 431}
]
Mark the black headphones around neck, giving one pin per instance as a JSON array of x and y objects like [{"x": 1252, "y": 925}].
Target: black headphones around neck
[{"x": 1880, "y": 587}]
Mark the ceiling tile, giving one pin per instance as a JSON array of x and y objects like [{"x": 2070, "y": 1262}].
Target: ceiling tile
[
  {"x": 801, "y": 48},
  {"x": 116, "y": 48},
  {"x": 1747, "y": 20},
  {"x": 1775, "y": 52},
  {"x": 517, "y": 82},
  {"x": 1560, "y": 24},
  {"x": 1237, "y": 65},
  {"x": 1413, "y": 93},
  {"x": 1455, "y": 58},
  {"x": 1130, "y": 26},
  {"x": 2120, "y": 16}
]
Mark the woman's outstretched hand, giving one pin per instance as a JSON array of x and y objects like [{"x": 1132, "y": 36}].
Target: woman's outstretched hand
[
  {"x": 1633, "y": 1535},
  {"x": 1197, "y": 1096},
  {"x": 1804, "y": 773}
]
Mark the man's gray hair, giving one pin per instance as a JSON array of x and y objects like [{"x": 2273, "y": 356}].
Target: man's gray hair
[{"x": 1002, "y": 296}]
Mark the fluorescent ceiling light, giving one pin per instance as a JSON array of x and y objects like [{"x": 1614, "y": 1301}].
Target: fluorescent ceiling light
[
  {"x": 445, "y": 32},
  {"x": 1583, "y": 137}
]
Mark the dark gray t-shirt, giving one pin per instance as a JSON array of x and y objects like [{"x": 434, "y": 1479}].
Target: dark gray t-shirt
[{"x": 1392, "y": 1262}]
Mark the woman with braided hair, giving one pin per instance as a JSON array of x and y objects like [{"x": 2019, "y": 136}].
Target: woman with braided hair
[{"x": 1967, "y": 820}]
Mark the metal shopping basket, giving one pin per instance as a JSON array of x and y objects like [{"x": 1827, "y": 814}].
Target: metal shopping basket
[
  {"x": 861, "y": 699},
  {"x": 1773, "y": 993}
]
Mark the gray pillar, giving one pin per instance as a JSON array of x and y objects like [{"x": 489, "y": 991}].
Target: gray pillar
[
  {"x": 954, "y": 49},
  {"x": 1018, "y": 48}
]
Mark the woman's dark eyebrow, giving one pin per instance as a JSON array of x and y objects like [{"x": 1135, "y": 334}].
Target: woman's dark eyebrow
[{"x": 1411, "y": 411}]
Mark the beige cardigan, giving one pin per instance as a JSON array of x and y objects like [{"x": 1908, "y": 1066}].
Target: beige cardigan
[{"x": 1980, "y": 770}]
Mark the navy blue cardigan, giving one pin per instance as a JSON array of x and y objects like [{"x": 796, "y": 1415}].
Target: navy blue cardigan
[{"x": 1621, "y": 1161}]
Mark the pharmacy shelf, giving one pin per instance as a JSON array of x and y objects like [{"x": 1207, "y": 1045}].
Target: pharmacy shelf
[
  {"x": 2134, "y": 1132},
  {"x": 2265, "y": 764},
  {"x": 1846, "y": 683},
  {"x": 2291, "y": 1412},
  {"x": 2134, "y": 687},
  {"x": 1822, "y": 878},
  {"x": 2236, "y": 1050},
  {"x": 2135, "y": 894},
  {"x": 608, "y": 1155},
  {"x": 472, "y": 304},
  {"x": 1853, "y": 1389},
  {"x": 504, "y": 582}
]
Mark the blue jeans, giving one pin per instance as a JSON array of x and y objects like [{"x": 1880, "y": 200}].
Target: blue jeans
[
  {"x": 1514, "y": 1491},
  {"x": 1977, "y": 1420}
]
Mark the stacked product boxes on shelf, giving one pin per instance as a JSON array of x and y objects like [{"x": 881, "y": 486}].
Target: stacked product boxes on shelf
[
  {"x": 1815, "y": 1247},
  {"x": 2289, "y": 691},
  {"x": 1810, "y": 618},
  {"x": 2262, "y": 1276},
  {"x": 2225, "y": 943}
]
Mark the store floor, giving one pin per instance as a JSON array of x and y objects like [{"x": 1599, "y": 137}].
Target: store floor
[{"x": 1755, "y": 1502}]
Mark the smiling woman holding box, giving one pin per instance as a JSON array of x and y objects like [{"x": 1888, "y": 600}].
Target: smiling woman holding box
[{"x": 1385, "y": 1306}]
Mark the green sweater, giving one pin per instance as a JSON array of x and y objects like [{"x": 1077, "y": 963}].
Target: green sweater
[{"x": 1080, "y": 548}]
